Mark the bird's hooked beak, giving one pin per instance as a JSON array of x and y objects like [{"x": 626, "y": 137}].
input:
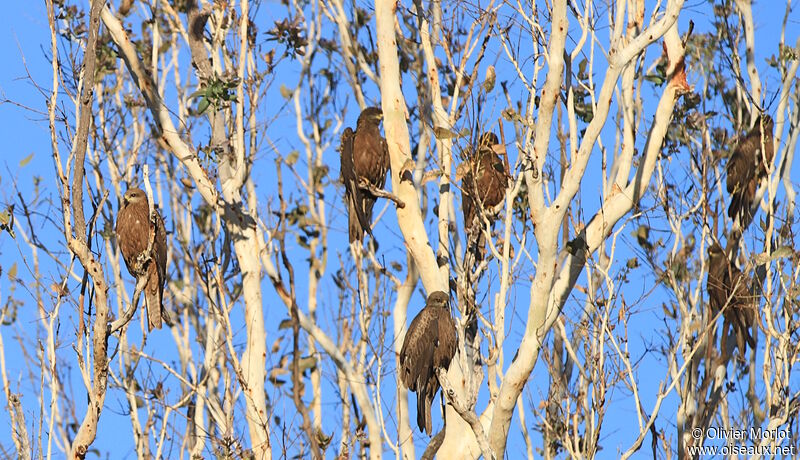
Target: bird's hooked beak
[{"x": 127, "y": 198}]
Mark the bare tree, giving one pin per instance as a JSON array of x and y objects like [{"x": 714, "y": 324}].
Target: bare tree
[{"x": 579, "y": 299}]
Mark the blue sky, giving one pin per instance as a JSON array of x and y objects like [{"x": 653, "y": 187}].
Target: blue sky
[{"x": 26, "y": 36}]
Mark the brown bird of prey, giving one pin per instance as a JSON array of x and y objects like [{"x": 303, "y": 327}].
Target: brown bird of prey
[
  {"x": 364, "y": 162},
  {"x": 430, "y": 344},
  {"x": 134, "y": 230},
  {"x": 747, "y": 167},
  {"x": 485, "y": 181},
  {"x": 727, "y": 291}
]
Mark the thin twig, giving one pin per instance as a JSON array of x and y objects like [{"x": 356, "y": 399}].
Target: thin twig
[
  {"x": 128, "y": 314},
  {"x": 363, "y": 184}
]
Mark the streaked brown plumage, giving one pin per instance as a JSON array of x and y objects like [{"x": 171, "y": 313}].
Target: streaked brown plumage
[
  {"x": 430, "y": 344},
  {"x": 485, "y": 181},
  {"x": 357, "y": 222},
  {"x": 133, "y": 236},
  {"x": 728, "y": 291},
  {"x": 364, "y": 155},
  {"x": 747, "y": 167}
]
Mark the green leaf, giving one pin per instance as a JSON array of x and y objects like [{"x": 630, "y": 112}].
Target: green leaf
[
  {"x": 307, "y": 362},
  {"x": 319, "y": 173},
  {"x": 198, "y": 93},
  {"x": 657, "y": 79},
  {"x": 291, "y": 158},
  {"x": 443, "y": 133},
  {"x": 582, "y": 67},
  {"x": 642, "y": 235},
  {"x": 783, "y": 251},
  {"x": 25, "y": 160},
  {"x": 203, "y": 105},
  {"x": 488, "y": 82},
  {"x": 511, "y": 115},
  {"x": 7, "y": 221}
]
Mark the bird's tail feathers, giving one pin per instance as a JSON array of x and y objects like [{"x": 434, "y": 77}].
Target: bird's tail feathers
[
  {"x": 743, "y": 333},
  {"x": 359, "y": 219},
  {"x": 354, "y": 226},
  {"x": 740, "y": 207},
  {"x": 424, "y": 400},
  {"x": 153, "y": 301}
]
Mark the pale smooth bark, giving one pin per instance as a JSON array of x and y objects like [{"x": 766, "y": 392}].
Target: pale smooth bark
[
  {"x": 240, "y": 221},
  {"x": 409, "y": 218}
]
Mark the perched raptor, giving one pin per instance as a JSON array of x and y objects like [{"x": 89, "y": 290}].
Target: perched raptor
[
  {"x": 134, "y": 231},
  {"x": 364, "y": 162},
  {"x": 727, "y": 291},
  {"x": 747, "y": 166},
  {"x": 430, "y": 344},
  {"x": 485, "y": 181}
]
